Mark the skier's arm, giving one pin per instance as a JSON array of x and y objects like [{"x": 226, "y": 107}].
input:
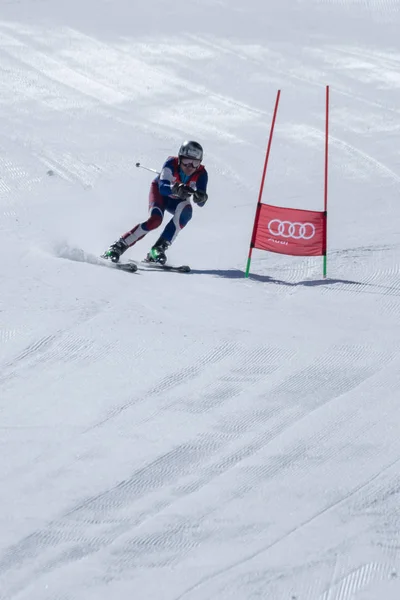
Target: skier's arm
[
  {"x": 165, "y": 181},
  {"x": 200, "y": 196}
]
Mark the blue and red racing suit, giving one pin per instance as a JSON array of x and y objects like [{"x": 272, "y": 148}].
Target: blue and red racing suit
[{"x": 161, "y": 199}]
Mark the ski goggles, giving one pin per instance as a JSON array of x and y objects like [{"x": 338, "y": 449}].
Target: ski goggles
[{"x": 190, "y": 162}]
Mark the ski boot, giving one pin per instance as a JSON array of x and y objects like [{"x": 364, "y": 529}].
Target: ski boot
[
  {"x": 157, "y": 252},
  {"x": 115, "y": 250}
]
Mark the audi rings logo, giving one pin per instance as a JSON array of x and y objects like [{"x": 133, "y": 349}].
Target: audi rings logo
[{"x": 296, "y": 231}]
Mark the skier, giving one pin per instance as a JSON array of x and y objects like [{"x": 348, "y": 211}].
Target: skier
[{"x": 182, "y": 177}]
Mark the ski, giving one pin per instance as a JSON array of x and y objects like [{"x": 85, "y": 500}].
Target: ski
[
  {"x": 129, "y": 267},
  {"x": 153, "y": 266}
]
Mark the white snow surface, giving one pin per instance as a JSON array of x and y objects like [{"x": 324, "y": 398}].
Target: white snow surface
[{"x": 203, "y": 436}]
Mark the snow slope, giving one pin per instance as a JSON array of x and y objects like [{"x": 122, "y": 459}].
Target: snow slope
[{"x": 201, "y": 436}]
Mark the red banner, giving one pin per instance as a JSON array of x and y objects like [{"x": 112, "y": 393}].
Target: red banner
[{"x": 290, "y": 231}]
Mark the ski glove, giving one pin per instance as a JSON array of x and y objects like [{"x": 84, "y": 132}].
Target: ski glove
[
  {"x": 200, "y": 197},
  {"x": 181, "y": 190}
]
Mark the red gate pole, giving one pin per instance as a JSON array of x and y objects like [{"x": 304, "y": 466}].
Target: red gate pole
[
  {"x": 257, "y": 216},
  {"x": 326, "y": 181}
]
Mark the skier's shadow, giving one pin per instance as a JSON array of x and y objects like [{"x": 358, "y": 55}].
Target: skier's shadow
[{"x": 239, "y": 274}]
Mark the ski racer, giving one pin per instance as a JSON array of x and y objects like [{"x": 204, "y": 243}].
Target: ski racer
[{"x": 182, "y": 178}]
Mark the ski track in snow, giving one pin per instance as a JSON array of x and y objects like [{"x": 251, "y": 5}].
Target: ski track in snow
[{"x": 178, "y": 467}]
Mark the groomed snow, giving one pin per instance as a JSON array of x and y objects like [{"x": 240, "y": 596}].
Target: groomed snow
[{"x": 201, "y": 436}]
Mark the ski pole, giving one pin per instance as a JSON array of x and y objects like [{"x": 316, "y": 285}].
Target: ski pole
[{"x": 147, "y": 168}]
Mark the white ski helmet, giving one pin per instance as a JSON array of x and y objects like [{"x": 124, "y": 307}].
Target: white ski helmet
[{"x": 190, "y": 149}]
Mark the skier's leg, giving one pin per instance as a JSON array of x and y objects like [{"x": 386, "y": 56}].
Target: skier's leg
[
  {"x": 182, "y": 213},
  {"x": 156, "y": 214},
  {"x": 181, "y": 217}
]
